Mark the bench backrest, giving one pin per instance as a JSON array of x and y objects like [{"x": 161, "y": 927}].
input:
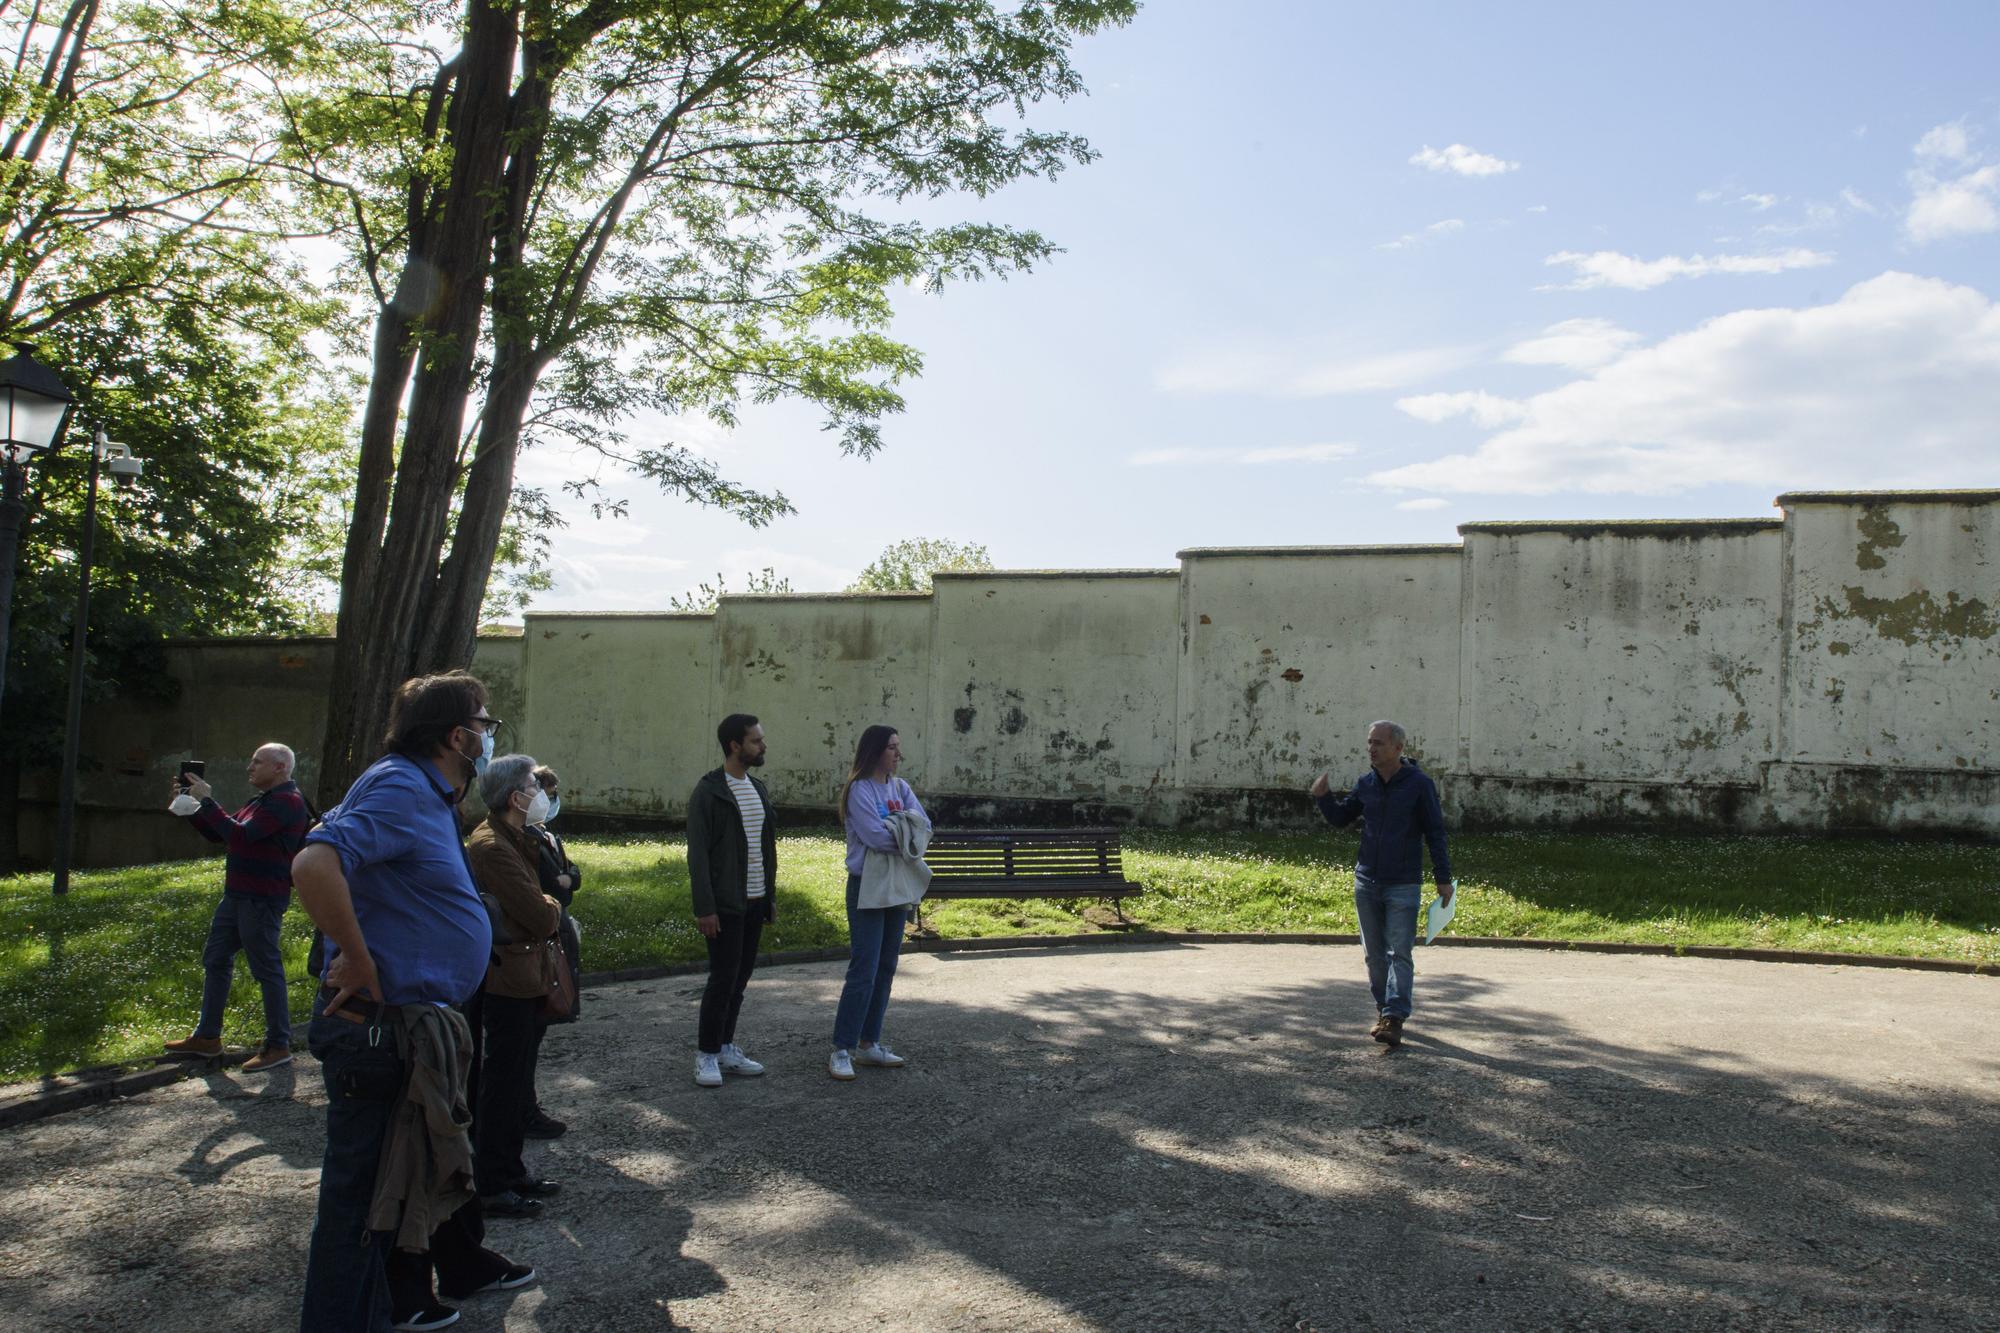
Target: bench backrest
[{"x": 1075, "y": 853}]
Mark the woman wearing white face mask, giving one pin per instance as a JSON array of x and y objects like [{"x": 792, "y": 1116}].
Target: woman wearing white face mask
[
  {"x": 560, "y": 877},
  {"x": 509, "y": 1007}
]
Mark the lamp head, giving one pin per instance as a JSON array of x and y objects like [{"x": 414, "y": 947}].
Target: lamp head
[{"x": 34, "y": 407}]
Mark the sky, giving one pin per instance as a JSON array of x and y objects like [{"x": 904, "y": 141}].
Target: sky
[{"x": 1351, "y": 274}]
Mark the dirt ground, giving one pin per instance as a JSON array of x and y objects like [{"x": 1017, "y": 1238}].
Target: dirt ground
[{"x": 1138, "y": 1138}]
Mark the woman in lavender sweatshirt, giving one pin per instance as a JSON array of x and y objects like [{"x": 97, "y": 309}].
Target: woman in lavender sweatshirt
[{"x": 875, "y": 935}]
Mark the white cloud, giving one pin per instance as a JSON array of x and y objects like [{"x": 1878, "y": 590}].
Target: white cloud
[
  {"x": 1427, "y": 502},
  {"x": 1283, "y": 453},
  {"x": 1897, "y": 383},
  {"x": 1300, "y": 453},
  {"x": 1578, "y": 344},
  {"x": 1461, "y": 160},
  {"x": 1608, "y": 268},
  {"x": 1538, "y": 208},
  {"x": 1967, "y": 206},
  {"x": 1949, "y": 143},
  {"x": 1855, "y": 200},
  {"x": 1758, "y": 202},
  {"x": 1443, "y": 227},
  {"x": 1485, "y": 409},
  {"x": 1284, "y": 370},
  {"x": 1946, "y": 199}
]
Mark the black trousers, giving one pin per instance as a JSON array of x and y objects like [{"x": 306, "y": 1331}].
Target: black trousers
[
  {"x": 457, "y": 1255},
  {"x": 732, "y": 956},
  {"x": 504, "y": 1091}
]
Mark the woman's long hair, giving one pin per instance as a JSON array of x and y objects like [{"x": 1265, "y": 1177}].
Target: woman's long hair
[{"x": 874, "y": 744}]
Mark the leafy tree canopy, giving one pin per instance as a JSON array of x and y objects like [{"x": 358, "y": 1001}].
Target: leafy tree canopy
[{"x": 907, "y": 566}]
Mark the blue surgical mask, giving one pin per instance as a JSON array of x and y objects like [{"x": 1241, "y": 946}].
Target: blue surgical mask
[
  {"x": 485, "y": 752},
  {"x": 555, "y": 808}
]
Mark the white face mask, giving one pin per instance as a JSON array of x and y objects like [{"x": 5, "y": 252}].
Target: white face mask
[
  {"x": 184, "y": 804},
  {"x": 538, "y": 808}
]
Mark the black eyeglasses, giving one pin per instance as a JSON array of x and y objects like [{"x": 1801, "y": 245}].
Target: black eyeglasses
[{"x": 489, "y": 725}]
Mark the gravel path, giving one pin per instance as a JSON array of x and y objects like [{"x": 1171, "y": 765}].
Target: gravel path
[{"x": 1144, "y": 1137}]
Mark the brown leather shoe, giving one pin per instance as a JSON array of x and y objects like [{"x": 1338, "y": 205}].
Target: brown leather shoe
[
  {"x": 203, "y": 1046},
  {"x": 1380, "y": 1031},
  {"x": 1393, "y": 1036},
  {"x": 268, "y": 1058}
]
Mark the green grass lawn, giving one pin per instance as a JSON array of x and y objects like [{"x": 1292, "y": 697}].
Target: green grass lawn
[{"x": 110, "y": 971}]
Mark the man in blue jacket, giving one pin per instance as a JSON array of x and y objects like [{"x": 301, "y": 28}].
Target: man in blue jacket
[{"x": 1397, "y": 804}]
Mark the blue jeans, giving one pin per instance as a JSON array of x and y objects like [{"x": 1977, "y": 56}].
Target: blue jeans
[
  {"x": 1388, "y": 915},
  {"x": 347, "y": 1285},
  {"x": 356, "y": 1279},
  {"x": 249, "y": 923},
  {"x": 875, "y": 940}
]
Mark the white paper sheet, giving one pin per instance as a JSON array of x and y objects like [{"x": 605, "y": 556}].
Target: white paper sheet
[{"x": 1440, "y": 914}]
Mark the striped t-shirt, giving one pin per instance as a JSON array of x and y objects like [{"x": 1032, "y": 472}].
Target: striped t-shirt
[{"x": 751, "y": 807}]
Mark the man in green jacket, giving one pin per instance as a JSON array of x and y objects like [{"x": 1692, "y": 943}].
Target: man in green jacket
[{"x": 733, "y": 870}]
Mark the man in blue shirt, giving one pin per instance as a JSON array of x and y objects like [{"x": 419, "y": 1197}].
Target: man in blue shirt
[
  {"x": 1398, "y": 805},
  {"x": 384, "y": 876}
]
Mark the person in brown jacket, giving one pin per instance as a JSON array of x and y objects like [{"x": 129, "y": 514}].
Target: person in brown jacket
[{"x": 508, "y": 1010}]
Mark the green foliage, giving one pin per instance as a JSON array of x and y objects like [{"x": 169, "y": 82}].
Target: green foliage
[
  {"x": 133, "y": 259},
  {"x": 115, "y": 968},
  {"x": 703, "y": 206},
  {"x": 705, "y": 597},
  {"x": 907, "y": 566}
]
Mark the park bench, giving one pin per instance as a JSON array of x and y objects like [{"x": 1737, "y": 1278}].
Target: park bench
[{"x": 1028, "y": 863}]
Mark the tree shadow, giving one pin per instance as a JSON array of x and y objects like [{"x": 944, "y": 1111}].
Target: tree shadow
[{"x": 1113, "y": 1158}]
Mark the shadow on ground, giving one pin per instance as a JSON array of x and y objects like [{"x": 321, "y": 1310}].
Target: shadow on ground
[{"x": 1192, "y": 1137}]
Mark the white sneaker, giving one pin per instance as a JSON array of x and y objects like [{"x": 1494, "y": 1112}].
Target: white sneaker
[
  {"x": 841, "y": 1066},
  {"x": 733, "y": 1061},
  {"x": 707, "y": 1070},
  {"x": 880, "y": 1056}
]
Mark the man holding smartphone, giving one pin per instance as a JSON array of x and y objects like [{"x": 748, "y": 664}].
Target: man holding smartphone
[{"x": 261, "y": 839}]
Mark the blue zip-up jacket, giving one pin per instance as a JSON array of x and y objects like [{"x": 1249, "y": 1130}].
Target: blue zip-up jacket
[{"x": 1397, "y": 818}]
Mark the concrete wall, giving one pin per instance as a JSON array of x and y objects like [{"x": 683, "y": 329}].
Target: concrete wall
[
  {"x": 1054, "y": 686},
  {"x": 1836, "y": 668},
  {"x": 621, "y": 707},
  {"x": 1892, "y": 696},
  {"x": 1289, "y": 654},
  {"x": 222, "y": 699},
  {"x": 1638, "y": 663}
]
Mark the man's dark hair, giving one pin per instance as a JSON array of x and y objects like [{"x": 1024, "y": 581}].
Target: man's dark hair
[
  {"x": 428, "y": 707},
  {"x": 733, "y": 729}
]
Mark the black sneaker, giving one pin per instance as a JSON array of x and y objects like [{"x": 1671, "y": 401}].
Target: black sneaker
[
  {"x": 516, "y": 1276},
  {"x": 510, "y": 1203},
  {"x": 540, "y": 1126},
  {"x": 435, "y": 1316},
  {"x": 538, "y": 1189}
]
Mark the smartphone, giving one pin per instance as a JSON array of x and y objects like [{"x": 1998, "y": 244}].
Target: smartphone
[{"x": 192, "y": 768}]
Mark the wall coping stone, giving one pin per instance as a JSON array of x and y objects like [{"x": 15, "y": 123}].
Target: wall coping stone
[
  {"x": 1055, "y": 574},
  {"x": 1678, "y": 528},
  {"x": 1405, "y": 548},
  {"x": 1959, "y": 497}
]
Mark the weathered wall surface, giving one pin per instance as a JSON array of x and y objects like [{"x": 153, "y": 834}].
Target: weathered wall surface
[
  {"x": 1893, "y": 659},
  {"x": 222, "y": 699},
  {"x": 1621, "y": 652},
  {"x": 1054, "y": 686},
  {"x": 1837, "y": 668},
  {"x": 817, "y": 671},
  {"x": 621, "y": 707},
  {"x": 1289, "y": 654}
]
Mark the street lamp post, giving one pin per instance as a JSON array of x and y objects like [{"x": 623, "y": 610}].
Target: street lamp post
[
  {"x": 34, "y": 407},
  {"x": 125, "y": 468}
]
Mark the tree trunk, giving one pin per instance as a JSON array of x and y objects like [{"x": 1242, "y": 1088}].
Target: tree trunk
[
  {"x": 382, "y": 612},
  {"x": 450, "y": 625}
]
